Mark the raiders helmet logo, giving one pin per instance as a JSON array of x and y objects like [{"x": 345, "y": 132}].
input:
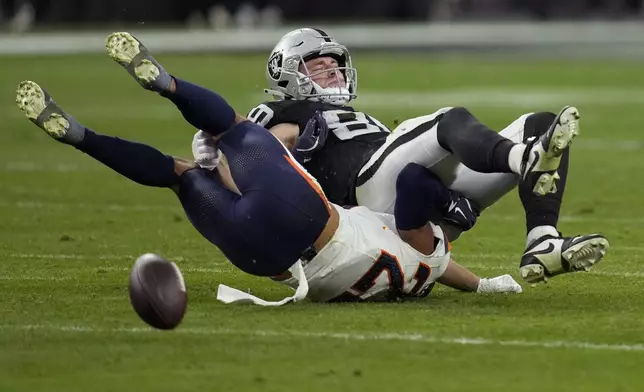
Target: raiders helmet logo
[{"x": 275, "y": 65}]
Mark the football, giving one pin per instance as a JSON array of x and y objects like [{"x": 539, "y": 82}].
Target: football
[{"x": 158, "y": 292}]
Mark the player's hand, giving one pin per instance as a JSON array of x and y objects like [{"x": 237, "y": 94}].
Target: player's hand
[
  {"x": 204, "y": 150},
  {"x": 500, "y": 284},
  {"x": 461, "y": 211},
  {"x": 312, "y": 138}
]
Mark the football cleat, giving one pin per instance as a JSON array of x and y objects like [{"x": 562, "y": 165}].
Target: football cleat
[
  {"x": 38, "y": 106},
  {"x": 550, "y": 256},
  {"x": 137, "y": 60},
  {"x": 543, "y": 155}
]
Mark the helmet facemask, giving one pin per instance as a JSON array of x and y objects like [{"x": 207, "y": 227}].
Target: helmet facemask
[{"x": 341, "y": 94}]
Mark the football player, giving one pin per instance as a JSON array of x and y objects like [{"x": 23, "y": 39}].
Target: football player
[
  {"x": 268, "y": 212},
  {"x": 359, "y": 160}
]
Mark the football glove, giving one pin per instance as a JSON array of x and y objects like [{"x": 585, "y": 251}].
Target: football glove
[
  {"x": 312, "y": 138},
  {"x": 205, "y": 151},
  {"x": 500, "y": 284},
  {"x": 461, "y": 211}
]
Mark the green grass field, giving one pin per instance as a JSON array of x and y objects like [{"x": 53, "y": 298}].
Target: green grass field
[{"x": 71, "y": 229}]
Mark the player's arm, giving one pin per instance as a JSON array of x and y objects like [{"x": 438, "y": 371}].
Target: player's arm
[
  {"x": 455, "y": 275},
  {"x": 287, "y": 133},
  {"x": 420, "y": 196},
  {"x": 460, "y": 278}
]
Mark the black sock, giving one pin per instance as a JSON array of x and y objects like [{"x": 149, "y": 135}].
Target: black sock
[
  {"x": 202, "y": 108},
  {"x": 138, "y": 162},
  {"x": 476, "y": 146},
  {"x": 542, "y": 210}
]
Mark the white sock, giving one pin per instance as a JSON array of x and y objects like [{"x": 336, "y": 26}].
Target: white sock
[
  {"x": 539, "y": 232},
  {"x": 516, "y": 157}
]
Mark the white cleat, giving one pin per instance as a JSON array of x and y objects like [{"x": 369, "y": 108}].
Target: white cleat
[
  {"x": 550, "y": 256},
  {"x": 543, "y": 155}
]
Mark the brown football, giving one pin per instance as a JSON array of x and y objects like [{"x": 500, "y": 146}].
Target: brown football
[{"x": 158, "y": 292}]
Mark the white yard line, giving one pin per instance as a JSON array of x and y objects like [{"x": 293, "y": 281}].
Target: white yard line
[{"x": 347, "y": 336}]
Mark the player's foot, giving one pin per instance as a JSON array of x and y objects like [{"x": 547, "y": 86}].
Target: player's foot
[
  {"x": 550, "y": 256},
  {"x": 137, "y": 60},
  {"x": 40, "y": 108},
  {"x": 543, "y": 155}
]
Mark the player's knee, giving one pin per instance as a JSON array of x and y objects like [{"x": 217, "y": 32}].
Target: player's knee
[
  {"x": 537, "y": 124},
  {"x": 409, "y": 177},
  {"x": 418, "y": 197},
  {"x": 453, "y": 125},
  {"x": 457, "y": 115}
]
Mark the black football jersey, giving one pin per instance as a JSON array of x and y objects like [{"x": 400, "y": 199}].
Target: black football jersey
[{"x": 353, "y": 138}]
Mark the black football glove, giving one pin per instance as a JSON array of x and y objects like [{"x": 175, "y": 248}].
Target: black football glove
[
  {"x": 461, "y": 211},
  {"x": 312, "y": 138}
]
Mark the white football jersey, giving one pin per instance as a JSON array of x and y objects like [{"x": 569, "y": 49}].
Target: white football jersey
[{"x": 366, "y": 259}]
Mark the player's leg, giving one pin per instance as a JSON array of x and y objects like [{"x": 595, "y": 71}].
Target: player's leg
[
  {"x": 413, "y": 141},
  {"x": 452, "y": 135},
  {"x": 547, "y": 254},
  {"x": 281, "y": 211},
  {"x": 138, "y": 162},
  {"x": 483, "y": 150},
  {"x": 485, "y": 189},
  {"x": 202, "y": 108}
]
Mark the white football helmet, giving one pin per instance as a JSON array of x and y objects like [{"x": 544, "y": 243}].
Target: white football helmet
[{"x": 283, "y": 74}]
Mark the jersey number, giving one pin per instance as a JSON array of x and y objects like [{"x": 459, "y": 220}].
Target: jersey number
[
  {"x": 389, "y": 263},
  {"x": 261, "y": 115},
  {"x": 347, "y": 125}
]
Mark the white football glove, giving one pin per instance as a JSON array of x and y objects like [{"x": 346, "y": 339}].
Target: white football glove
[
  {"x": 500, "y": 284},
  {"x": 205, "y": 151}
]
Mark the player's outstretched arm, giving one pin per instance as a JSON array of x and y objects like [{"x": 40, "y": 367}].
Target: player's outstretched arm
[{"x": 460, "y": 278}]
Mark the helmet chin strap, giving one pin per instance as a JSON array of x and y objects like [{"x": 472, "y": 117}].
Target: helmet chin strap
[
  {"x": 275, "y": 93},
  {"x": 338, "y": 96}
]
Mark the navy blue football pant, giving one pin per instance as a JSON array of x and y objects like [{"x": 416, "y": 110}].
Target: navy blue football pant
[{"x": 279, "y": 214}]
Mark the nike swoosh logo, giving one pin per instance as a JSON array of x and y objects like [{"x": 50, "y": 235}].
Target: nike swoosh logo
[
  {"x": 534, "y": 163},
  {"x": 299, "y": 44},
  {"x": 458, "y": 209},
  {"x": 451, "y": 206}
]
